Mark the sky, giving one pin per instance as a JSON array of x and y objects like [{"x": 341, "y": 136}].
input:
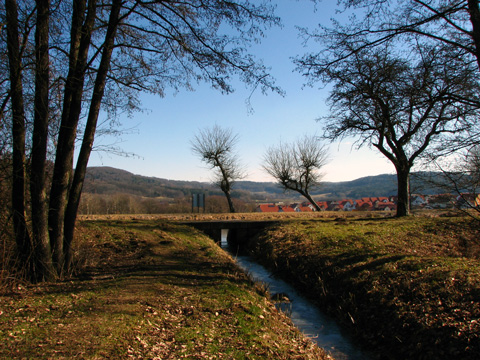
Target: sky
[{"x": 160, "y": 136}]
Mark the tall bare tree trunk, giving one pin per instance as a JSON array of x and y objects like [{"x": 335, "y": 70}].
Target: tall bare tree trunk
[
  {"x": 63, "y": 168},
  {"x": 22, "y": 238},
  {"x": 41, "y": 243},
  {"x": 89, "y": 134},
  {"x": 403, "y": 193}
]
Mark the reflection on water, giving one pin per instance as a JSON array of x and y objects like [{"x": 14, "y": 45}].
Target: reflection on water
[{"x": 321, "y": 328}]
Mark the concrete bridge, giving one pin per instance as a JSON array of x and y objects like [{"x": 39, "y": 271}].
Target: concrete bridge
[{"x": 239, "y": 231}]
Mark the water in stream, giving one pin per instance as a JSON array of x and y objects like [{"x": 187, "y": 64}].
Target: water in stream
[{"x": 318, "y": 326}]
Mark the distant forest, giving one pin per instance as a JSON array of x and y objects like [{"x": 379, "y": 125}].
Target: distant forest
[{"x": 110, "y": 190}]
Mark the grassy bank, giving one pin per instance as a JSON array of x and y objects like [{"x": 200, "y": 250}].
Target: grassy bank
[
  {"x": 147, "y": 290},
  {"x": 407, "y": 288}
]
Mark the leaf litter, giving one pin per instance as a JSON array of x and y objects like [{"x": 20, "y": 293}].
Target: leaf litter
[{"x": 148, "y": 290}]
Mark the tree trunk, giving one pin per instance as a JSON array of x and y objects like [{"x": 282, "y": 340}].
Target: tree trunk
[
  {"x": 63, "y": 168},
  {"x": 225, "y": 186},
  {"x": 89, "y": 134},
  {"x": 42, "y": 253},
  {"x": 403, "y": 191},
  {"x": 230, "y": 202},
  {"x": 474, "y": 10},
  {"x": 307, "y": 195},
  {"x": 22, "y": 238}
]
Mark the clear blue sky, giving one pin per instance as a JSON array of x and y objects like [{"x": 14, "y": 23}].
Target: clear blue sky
[{"x": 163, "y": 132}]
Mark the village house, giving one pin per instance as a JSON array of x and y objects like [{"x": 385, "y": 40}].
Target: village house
[
  {"x": 442, "y": 201},
  {"x": 388, "y": 206},
  {"x": 268, "y": 208},
  {"x": 363, "y": 205},
  {"x": 334, "y": 206},
  {"x": 347, "y": 204},
  {"x": 418, "y": 201},
  {"x": 322, "y": 205},
  {"x": 304, "y": 207}
]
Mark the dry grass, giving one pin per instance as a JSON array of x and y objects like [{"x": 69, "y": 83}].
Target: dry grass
[
  {"x": 239, "y": 216},
  {"x": 408, "y": 288},
  {"x": 148, "y": 290}
]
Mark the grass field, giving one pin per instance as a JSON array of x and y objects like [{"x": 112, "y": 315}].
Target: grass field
[
  {"x": 147, "y": 290},
  {"x": 407, "y": 288}
]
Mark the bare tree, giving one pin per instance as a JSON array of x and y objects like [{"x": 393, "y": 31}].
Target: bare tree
[
  {"x": 454, "y": 23},
  {"x": 15, "y": 96},
  {"x": 460, "y": 176},
  {"x": 450, "y": 25},
  {"x": 401, "y": 105},
  {"x": 69, "y": 60},
  {"x": 297, "y": 166},
  {"x": 216, "y": 147},
  {"x": 473, "y": 164}
]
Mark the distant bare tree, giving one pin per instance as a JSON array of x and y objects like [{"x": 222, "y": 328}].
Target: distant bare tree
[
  {"x": 216, "y": 147},
  {"x": 473, "y": 164},
  {"x": 460, "y": 175},
  {"x": 297, "y": 166},
  {"x": 473, "y": 169}
]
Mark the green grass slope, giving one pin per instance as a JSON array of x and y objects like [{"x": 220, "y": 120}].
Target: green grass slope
[
  {"x": 147, "y": 290},
  {"x": 406, "y": 288}
]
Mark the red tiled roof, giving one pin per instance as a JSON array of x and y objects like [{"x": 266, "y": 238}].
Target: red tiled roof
[
  {"x": 322, "y": 204},
  {"x": 383, "y": 206},
  {"x": 305, "y": 208},
  {"x": 364, "y": 205},
  {"x": 268, "y": 208},
  {"x": 274, "y": 208}
]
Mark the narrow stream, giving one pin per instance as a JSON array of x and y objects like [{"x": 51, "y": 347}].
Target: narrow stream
[{"x": 319, "y": 327}]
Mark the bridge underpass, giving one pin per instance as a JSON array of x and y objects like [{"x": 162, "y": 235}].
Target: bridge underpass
[{"x": 239, "y": 231}]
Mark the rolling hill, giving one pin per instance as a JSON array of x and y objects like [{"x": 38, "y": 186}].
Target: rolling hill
[{"x": 107, "y": 180}]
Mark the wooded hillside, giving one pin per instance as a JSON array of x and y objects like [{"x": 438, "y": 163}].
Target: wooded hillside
[{"x": 107, "y": 180}]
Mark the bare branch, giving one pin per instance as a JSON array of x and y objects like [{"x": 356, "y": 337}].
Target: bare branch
[
  {"x": 216, "y": 147},
  {"x": 297, "y": 166}
]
